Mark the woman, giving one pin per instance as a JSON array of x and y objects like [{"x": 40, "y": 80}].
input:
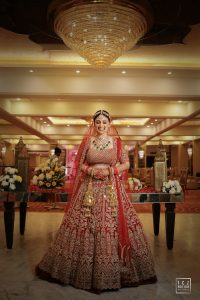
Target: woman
[{"x": 100, "y": 244}]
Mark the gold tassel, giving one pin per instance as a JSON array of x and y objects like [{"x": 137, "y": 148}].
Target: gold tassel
[
  {"x": 88, "y": 200},
  {"x": 112, "y": 196}
]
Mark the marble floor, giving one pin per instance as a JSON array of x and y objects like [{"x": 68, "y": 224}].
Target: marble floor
[{"x": 17, "y": 280}]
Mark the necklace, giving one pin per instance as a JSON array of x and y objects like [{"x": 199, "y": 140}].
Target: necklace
[{"x": 101, "y": 143}]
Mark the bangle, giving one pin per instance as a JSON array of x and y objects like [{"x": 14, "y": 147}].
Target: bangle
[
  {"x": 90, "y": 171},
  {"x": 116, "y": 172},
  {"x": 111, "y": 171},
  {"x": 86, "y": 169}
]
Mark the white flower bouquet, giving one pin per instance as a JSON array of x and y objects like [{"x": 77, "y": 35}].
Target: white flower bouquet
[
  {"x": 171, "y": 187},
  {"x": 50, "y": 175},
  {"x": 10, "y": 181},
  {"x": 134, "y": 184}
]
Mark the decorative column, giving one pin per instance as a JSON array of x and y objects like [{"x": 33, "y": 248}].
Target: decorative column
[
  {"x": 196, "y": 157},
  {"x": 160, "y": 167},
  {"x": 22, "y": 162}
]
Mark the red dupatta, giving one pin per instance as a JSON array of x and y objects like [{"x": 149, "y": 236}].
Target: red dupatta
[{"x": 124, "y": 242}]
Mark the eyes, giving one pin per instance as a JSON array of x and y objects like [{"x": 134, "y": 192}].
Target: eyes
[{"x": 105, "y": 122}]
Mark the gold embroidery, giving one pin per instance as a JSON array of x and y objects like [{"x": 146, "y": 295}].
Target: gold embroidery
[
  {"x": 85, "y": 251},
  {"x": 88, "y": 200},
  {"x": 112, "y": 195}
]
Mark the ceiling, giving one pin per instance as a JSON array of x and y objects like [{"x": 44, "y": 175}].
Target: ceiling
[{"x": 158, "y": 80}]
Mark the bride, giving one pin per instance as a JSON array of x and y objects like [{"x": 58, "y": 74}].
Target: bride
[{"x": 100, "y": 244}]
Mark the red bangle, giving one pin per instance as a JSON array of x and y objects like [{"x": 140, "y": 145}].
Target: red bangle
[
  {"x": 116, "y": 172},
  {"x": 86, "y": 169},
  {"x": 90, "y": 171}
]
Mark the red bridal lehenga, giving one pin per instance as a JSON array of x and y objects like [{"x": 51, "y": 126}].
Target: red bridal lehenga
[{"x": 102, "y": 250}]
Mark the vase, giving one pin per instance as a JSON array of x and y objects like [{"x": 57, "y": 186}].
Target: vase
[{"x": 9, "y": 217}]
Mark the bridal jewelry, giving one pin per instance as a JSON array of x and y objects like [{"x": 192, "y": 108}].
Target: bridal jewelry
[{"x": 101, "y": 143}]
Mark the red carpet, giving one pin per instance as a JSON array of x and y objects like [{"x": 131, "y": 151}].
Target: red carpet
[{"x": 190, "y": 205}]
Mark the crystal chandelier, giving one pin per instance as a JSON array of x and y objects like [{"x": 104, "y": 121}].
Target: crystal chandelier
[{"x": 100, "y": 30}]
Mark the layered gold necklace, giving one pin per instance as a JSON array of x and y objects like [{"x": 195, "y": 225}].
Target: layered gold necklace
[{"x": 101, "y": 143}]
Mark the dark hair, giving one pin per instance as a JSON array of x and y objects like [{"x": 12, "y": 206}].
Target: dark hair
[
  {"x": 57, "y": 151},
  {"x": 101, "y": 112}
]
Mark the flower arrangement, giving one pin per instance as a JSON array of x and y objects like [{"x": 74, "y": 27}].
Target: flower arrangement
[
  {"x": 50, "y": 175},
  {"x": 10, "y": 181},
  {"x": 171, "y": 187},
  {"x": 134, "y": 184}
]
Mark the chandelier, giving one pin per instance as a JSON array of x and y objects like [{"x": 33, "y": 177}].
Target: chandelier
[{"x": 100, "y": 30}]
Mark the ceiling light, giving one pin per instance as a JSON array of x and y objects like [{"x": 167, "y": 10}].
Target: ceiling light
[
  {"x": 100, "y": 30},
  {"x": 31, "y": 71},
  {"x": 180, "y": 101},
  {"x": 78, "y": 71},
  {"x": 169, "y": 73},
  {"x": 123, "y": 72},
  {"x": 18, "y": 99},
  {"x": 65, "y": 121},
  {"x": 130, "y": 121}
]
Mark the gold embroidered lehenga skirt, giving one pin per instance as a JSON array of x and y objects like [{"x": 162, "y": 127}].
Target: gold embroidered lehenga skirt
[{"x": 85, "y": 252}]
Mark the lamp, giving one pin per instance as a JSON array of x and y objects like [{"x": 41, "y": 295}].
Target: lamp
[
  {"x": 3, "y": 147},
  {"x": 100, "y": 30},
  {"x": 52, "y": 152},
  {"x": 189, "y": 151},
  {"x": 140, "y": 152},
  {"x": 3, "y": 150}
]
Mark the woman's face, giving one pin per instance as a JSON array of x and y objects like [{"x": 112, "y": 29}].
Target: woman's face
[{"x": 101, "y": 124}]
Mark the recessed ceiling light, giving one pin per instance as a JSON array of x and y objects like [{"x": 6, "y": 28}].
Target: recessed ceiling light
[
  {"x": 31, "y": 71},
  {"x": 68, "y": 125},
  {"x": 41, "y": 119},
  {"x": 18, "y": 99},
  {"x": 151, "y": 123},
  {"x": 180, "y": 101},
  {"x": 156, "y": 120},
  {"x": 78, "y": 71},
  {"x": 128, "y": 125},
  {"x": 169, "y": 73},
  {"x": 44, "y": 122},
  {"x": 123, "y": 72},
  {"x": 148, "y": 126}
]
